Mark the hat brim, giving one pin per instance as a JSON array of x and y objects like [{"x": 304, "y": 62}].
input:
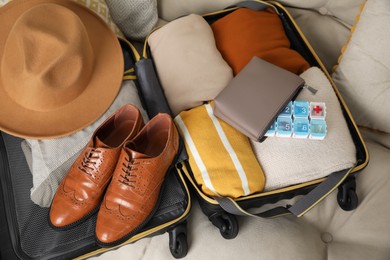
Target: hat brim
[{"x": 97, "y": 97}]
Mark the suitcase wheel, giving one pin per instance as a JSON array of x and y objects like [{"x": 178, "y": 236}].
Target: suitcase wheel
[
  {"x": 227, "y": 224},
  {"x": 178, "y": 241},
  {"x": 346, "y": 196}
]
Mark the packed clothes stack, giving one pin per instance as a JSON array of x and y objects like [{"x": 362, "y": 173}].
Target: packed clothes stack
[{"x": 219, "y": 162}]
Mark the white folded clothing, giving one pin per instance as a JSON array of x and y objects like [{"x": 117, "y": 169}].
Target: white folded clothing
[
  {"x": 49, "y": 160},
  {"x": 288, "y": 161}
]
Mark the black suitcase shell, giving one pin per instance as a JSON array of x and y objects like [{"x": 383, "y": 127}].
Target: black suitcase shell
[{"x": 24, "y": 228}]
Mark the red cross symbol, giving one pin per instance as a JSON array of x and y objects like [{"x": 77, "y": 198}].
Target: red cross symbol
[{"x": 317, "y": 109}]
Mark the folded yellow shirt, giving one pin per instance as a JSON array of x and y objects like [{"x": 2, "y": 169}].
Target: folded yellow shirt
[{"x": 221, "y": 158}]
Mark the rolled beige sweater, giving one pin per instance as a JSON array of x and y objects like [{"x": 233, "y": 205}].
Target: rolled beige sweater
[
  {"x": 288, "y": 161},
  {"x": 189, "y": 66}
]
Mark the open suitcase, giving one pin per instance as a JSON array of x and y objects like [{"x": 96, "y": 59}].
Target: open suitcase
[
  {"x": 25, "y": 232},
  {"x": 221, "y": 211}
]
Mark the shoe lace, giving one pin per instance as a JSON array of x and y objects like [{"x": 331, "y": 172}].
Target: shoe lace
[
  {"x": 129, "y": 172},
  {"x": 89, "y": 161}
]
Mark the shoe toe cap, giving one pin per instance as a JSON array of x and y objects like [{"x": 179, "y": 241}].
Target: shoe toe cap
[
  {"x": 106, "y": 236},
  {"x": 64, "y": 213},
  {"x": 105, "y": 227},
  {"x": 62, "y": 218}
]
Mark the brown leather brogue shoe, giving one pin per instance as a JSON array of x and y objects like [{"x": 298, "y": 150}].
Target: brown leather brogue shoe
[
  {"x": 134, "y": 191},
  {"x": 80, "y": 192}
]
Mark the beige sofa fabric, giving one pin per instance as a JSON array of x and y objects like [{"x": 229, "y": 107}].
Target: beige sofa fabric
[
  {"x": 326, "y": 24},
  {"x": 363, "y": 75},
  {"x": 313, "y": 25},
  {"x": 343, "y": 11}
]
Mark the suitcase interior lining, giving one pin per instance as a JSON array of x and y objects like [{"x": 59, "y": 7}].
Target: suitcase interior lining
[{"x": 31, "y": 235}]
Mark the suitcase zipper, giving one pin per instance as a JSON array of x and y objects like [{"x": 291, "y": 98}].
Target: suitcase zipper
[{"x": 311, "y": 89}]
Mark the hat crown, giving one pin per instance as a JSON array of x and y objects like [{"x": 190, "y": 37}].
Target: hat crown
[{"x": 48, "y": 58}]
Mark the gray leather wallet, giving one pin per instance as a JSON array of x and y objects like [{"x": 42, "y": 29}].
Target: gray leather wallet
[{"x": 255, "y": 97}]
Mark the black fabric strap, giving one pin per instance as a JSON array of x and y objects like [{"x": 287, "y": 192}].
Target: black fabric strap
[
  {"x": 230, "y": 206},
  {"x": 298, "y": 209},
  {"x": 319, "y": 193}
]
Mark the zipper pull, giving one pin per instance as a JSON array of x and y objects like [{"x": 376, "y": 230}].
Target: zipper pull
[{"x": 311, "y": 89}]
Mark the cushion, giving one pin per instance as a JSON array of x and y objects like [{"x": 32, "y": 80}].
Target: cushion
[
  {"x": 245, "y": 33},
  {"x": 190, "y": 68},
  {"x": 220, "y": 156},
  {"x": 317, "y": 28},
  {"x": 288, "y": 161},
  {"x": 342, "y": 11},
  {"x": 363, "y": 74}
]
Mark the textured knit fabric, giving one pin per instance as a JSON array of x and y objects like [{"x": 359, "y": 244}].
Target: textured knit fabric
[
  {"x": 189, "y": 66},
  {"x": 101, "y": 9},
  {"x": 288, "y": 161},
  {"x": 246, "y": 33},
  {"x": 135, "y": 18},
  {"x": 49, "y": 160},
  {"x": 220, "y": 157}
]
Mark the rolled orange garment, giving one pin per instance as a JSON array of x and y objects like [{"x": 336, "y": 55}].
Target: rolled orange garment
[{"x": 245, "y": 33}]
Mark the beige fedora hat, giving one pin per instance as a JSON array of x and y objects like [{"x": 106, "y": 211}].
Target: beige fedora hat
[{"x": 61, "y": 67}]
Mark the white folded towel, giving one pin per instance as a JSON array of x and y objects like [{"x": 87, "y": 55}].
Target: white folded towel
[
  {"x": 288, "y": 161},
  {"x": 49, "y": 160}
]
